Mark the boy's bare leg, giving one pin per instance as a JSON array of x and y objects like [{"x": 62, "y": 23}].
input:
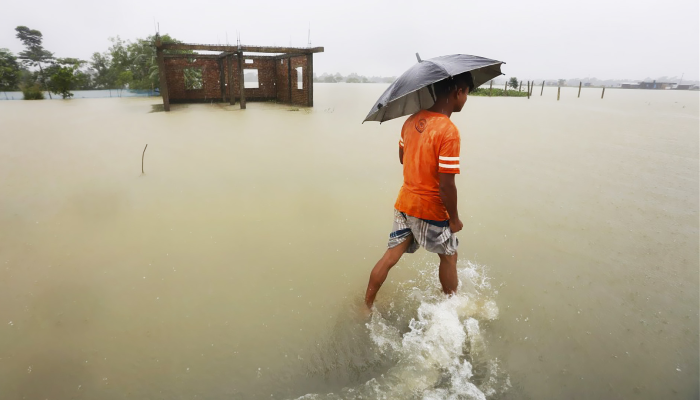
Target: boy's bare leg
[
  {"x": 448, "y": 273},
  {"x": 381, "y": 269}
]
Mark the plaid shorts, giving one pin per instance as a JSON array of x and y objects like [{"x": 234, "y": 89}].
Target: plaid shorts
[{"x": 435, "y": 236}]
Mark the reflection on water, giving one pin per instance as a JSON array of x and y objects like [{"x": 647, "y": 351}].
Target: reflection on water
[{"x": 235, "y": 266}]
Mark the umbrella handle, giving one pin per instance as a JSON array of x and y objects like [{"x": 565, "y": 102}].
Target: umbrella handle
[{"x": 431, "y": 89}]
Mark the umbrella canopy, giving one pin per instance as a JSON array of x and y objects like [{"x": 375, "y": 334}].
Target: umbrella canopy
[{"x": 411, "y": 92}]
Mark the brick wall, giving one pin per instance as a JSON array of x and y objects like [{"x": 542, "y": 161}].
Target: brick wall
[
  {"x": 175, "y": 77},
  {"x": 282, "y": 66},
  {"x": 300, "y": 96},
  {"x": 273, "y": 79},
  {"x": 267, "y": 78}
]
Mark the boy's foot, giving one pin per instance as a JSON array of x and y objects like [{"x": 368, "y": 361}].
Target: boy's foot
[{"x": 365, "y": 311}]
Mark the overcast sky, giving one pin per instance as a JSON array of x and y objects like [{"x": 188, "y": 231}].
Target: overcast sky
[{"x": 606, "y": 39}]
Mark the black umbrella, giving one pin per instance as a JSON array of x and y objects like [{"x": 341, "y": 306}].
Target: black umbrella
[{"x": 412, "y": 91}]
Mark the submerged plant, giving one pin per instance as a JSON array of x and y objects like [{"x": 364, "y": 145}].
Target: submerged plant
[{"x": 32, "y": 92}]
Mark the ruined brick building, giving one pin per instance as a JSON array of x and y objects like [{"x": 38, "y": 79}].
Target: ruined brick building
[{"x": 284, "y": 74}]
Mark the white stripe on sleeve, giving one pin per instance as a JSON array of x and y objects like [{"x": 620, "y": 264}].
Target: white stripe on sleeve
[
  {"x": 441, "y": 165},
  {"x": 448, "y": 158}
]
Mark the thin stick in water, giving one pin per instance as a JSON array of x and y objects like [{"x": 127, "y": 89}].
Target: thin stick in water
[{"x": 143, "y": 155}]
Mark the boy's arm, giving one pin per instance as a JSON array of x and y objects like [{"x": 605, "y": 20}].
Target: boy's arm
[
  {"x": 403, "y": 131},
  {"x": 448, "y": 195}
]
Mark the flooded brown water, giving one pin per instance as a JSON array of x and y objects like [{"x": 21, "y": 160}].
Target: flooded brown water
[{"x": 233, "y": 268}]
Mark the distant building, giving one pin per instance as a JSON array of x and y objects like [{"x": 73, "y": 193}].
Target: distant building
[
  {"x": 235, "y": 73},
  {"x": 648, "y": 85},
  {"x": 687, "y": 87},
  {"x": 656, "y": 85}
]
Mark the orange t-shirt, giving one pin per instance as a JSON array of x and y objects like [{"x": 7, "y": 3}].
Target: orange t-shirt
[{"x": 430, "y": 144}]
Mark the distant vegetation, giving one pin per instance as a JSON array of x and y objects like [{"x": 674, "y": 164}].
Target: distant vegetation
[
  {"x": 484, "y": 91},
  {"x": 33, "y": 92},
  {"x": 352, "y": 78},
  {"x": 513, "y": 82},
  {"x": 125, "y": 64},
  {"x": 9, "y": 71}
]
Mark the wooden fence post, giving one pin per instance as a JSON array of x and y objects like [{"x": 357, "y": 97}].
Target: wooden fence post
[
  {"x": 558, "y": 92},
  {"x": 490, "y": 87},
  {"x": 505, "y": 90},
  {"x": 528, "y": 90},
  {"x": 542, "y": 91},
  {"x": 603, "y": 94},
  {"x": 579, "y": 89}
]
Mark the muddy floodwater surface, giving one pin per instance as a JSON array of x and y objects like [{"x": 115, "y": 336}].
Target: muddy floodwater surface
[{"x": 234, "y": 268}]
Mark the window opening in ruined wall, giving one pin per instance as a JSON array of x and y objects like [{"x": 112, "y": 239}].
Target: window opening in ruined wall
[
  {"x": 248, "y": 61},
  {"x": 300, "y": 77},
  {"x": 250, "y": 79},
  {"x": 193, "y": 78}
]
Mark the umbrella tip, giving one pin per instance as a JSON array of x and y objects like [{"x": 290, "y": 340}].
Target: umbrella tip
[{"x": 418, "y": 57}]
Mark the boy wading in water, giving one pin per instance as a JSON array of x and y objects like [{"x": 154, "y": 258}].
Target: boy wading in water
[{"x": 426, "y": 209}]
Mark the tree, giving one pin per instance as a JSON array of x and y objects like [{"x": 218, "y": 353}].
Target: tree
[
  {"x": 104, "y": 76},
  {"x": 125, "y": 78},
  {"x": 353, "y": 78},
  {"x": 326, "y": 78},
  {"x": 137, "y": 57},
  {"x": 513, "y": 82},
  {"x": 62, "y": 81},
  {"x": 9, "y": 71},
  {"x": 81, "y": 79},
  {"x": 66, "y": 75},
  {"x": 35, "y": 54}
]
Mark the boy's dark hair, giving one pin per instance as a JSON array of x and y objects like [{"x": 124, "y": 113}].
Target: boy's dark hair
[{"x": 461, "y": 81}]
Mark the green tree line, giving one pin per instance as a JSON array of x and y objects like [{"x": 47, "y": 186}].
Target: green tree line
[
  {"x": 125, "y": 64},
  {"x": 352, "y": 78}
]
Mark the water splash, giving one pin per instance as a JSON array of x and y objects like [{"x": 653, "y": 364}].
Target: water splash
[{"x": 431, "y": 346}]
